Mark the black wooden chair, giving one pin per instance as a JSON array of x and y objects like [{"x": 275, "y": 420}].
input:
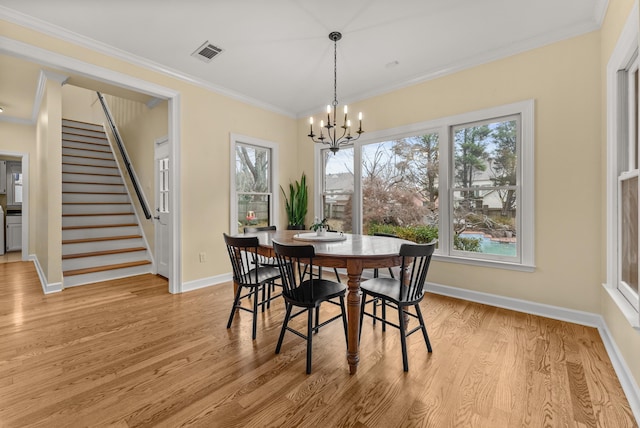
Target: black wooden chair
[
  {"x": 251, "y": 278},
  {"x": 376, "y": 274},
  {"x": 402, "y": 293},
  {"x": 306, "y": 292}
]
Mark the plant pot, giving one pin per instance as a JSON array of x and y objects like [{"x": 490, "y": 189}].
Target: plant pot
[
  {"x": 321, "y": 231},
  {"x": 296, "y": 227}
]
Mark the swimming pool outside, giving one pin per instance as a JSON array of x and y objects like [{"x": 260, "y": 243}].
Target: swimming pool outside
[{"x": 497, "y": 246}]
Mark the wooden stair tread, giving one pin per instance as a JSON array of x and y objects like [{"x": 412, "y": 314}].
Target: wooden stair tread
[
  {"x": 94, "y": 214},
  {"x": 99, "y": 239},
  {"x": 103, "y": 253},
  {"x": 82, "y": 148},
  {"x": 105, "y": 268},
  {"x": 86, "y": 136},
  {"x": 85, "y": 164},
  {"x": 93, "y": 173},
  {"x": 86, "y": 157},
  {"x": 94, "y": 143},
  {"x": 95, "y": 193},
  {"x": 93, "y": 183},
  {"x": 98, "y": 226},
  {"x": 96, "y": 203}
]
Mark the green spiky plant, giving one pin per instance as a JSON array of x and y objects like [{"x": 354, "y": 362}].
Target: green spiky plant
[{"x": 296, "y": 203}]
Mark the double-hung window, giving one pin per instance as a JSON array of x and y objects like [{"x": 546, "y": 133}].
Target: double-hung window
[
  {"x": 466, "y": 180},
  {"x": 253, "y": 201},
  {"x": 623, "y": 228}
]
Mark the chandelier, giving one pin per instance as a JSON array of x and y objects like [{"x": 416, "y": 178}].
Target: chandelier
[{"x": 333, "y": 137}]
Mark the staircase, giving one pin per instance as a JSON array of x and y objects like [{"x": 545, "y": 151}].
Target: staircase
[{"x": 101, "y": 237}]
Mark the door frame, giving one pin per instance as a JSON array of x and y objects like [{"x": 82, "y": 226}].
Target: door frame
[
  {"x": 24, "y": 157},
  {"x": 156, "y": 146},
  {"x": 67, "y": 64}
]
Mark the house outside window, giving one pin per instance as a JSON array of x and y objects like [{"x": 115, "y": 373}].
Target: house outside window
[
  {"x": 622, "y": 174},
  {"x": 252, "y": 183},
  {"x": 464, "y": 180}
]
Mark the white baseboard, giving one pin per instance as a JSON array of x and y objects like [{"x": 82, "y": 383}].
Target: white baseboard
[
  {"x": 627, "y": 381},
  {"x": 206, "y": 282},
  {"x": 47, "y": 288}
]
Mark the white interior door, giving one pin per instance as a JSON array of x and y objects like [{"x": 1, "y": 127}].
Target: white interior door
[{"x": 162, "y": 216}]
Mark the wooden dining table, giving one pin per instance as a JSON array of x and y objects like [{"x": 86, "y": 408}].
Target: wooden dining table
[{"x": 353, "y": 253}]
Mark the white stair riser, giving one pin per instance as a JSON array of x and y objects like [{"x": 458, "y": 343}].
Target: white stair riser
[
  {"x": 108, "y": 259},
  {"x": 100, "y": 232},
  {"x": 98, "y": 220},
  {"x": 84, "y": 152},
  {"x": 113, "y": 171},
  {"x": 72, "y": 281},
  {"x": 79, "y": 125},
  {"x": 86, "y": 146},
  {"x": 88, "y": 139},
  {"x": 96, "y": 208},
  {"x": 92, "y": 188},
  {"x": 89, "y": 247},
  {"x": 86, "y": 197},
  {"x": 93, "y": 178},
  {"x": 88, "y": 161}
]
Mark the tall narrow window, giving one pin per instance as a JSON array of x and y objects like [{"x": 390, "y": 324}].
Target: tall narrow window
[
  {"x": 623, "y": 172},
  {"x": 252, "y": 183},
  {"x": 628, "y": 187}
]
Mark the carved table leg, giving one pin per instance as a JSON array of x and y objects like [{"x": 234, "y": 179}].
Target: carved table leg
[{"x": 354, "y": 270}]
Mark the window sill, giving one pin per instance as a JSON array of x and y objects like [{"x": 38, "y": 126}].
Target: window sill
[
  {"x": 628, "y": 311},
  {"x": 484, "y": 263}
]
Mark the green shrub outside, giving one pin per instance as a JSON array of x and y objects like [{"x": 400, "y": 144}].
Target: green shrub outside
[{"x": 422, "y": 234}]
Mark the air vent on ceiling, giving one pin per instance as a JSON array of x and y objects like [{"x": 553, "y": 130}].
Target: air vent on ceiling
[{"x": 206, "y": 52}]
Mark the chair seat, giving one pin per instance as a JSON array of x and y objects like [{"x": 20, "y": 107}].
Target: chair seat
[
  {"x": 388, "y": 289},
  {"x": 265, "y": 274},
  {"x": 322, "y": 290}
]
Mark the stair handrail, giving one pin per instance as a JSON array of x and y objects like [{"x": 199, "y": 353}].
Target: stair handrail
[{"x": 125, "y": 158}]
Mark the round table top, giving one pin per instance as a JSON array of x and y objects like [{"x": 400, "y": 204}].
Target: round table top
[{"x": 354, "y": 246}]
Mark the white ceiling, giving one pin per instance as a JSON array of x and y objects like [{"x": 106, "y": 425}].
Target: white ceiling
[{"x": 277, "y": 53}]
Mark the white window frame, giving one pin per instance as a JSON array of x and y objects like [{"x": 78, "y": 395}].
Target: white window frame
[
  {"x": 236, "y": 139},
  {"x": 619, "y": 88},
  {"x": 442, "y": 126}
]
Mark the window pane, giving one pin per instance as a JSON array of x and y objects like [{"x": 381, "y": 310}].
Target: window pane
[
  {"x": 252, "y": 169},
  {"x": 629, "y": 233},
  {"x": 253, "y": 210},
  {"x": 400, "y": 185},
  {"x": 486, "y": 155},
  {"x": 337, "y": 195},
  {"x": 479, "y": 226},
  {"x": 485, "y": 179}
]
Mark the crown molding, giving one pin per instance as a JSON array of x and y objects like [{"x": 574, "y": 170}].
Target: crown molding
[
  {"x": 49, "y": 29},
  {"x": 474, "y": 61}
]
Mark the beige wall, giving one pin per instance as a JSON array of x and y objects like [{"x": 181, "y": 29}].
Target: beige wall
[
  {"x": 140, "y": 127},
  {"x": 626, "y": 338},
  {"x": 47, "y": 188}
]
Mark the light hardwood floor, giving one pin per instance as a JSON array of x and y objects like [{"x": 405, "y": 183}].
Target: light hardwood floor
[
  {"x": 127, "y": 353},
  {"x": 12, "y": 256}
]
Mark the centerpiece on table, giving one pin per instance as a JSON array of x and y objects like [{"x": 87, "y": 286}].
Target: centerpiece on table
[{"x": 320, "y": 227}]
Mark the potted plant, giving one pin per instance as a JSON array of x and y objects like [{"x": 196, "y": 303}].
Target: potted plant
[
  {"x": 296, "y": 203},
  {"x": 320, "y": 227}
]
